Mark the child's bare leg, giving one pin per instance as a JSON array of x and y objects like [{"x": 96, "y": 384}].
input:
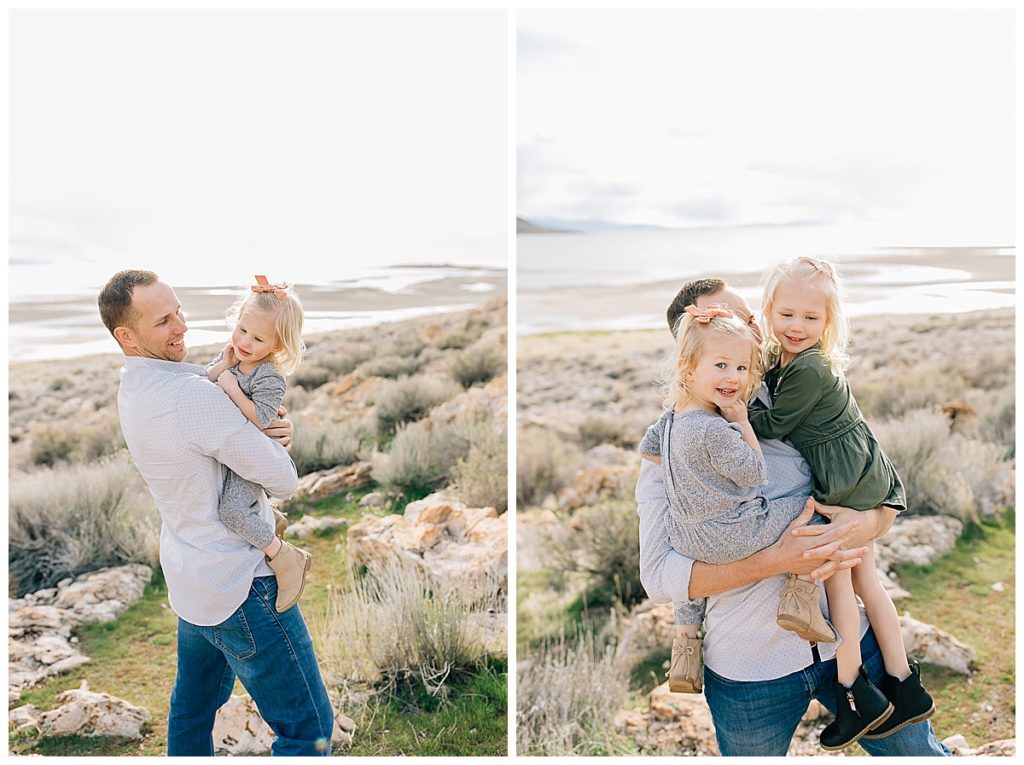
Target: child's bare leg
[
  {"x": 845, "y": 617},
  {"x": 885, "y": 621},
  {"x": 687, "y": 630}
]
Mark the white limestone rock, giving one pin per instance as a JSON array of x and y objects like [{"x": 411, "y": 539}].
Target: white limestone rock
[
  {"x": 82, "y": 712},
  {"x": 935, "y": 646}
]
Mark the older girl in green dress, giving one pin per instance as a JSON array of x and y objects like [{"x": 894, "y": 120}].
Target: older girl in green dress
[{"x": 813, "y": 408}]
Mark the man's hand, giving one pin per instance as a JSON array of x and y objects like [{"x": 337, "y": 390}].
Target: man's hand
[
  {"x": 281, "y": 429},
  {"x": 802, "y": 548},
  {"x": 227, "y": 382},
  {"x": 871, "y": 524}
]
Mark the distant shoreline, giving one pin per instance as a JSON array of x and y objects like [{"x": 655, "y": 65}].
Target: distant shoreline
[{"x": 70, "y": 327}]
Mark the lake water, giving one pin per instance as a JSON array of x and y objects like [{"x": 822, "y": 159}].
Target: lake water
[
  {"x": 61, "y": 320},
  {"x": 625, "y": 279}
]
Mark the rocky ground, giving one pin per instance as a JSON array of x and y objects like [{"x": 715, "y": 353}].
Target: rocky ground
[
  {"x": 596, "y": 392},
  {"x": 444, "y": 535}
]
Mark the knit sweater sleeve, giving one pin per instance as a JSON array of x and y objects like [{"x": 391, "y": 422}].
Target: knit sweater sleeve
[
  {"x": 651, "y": 443},
  {"x": 731, "y": 456}
]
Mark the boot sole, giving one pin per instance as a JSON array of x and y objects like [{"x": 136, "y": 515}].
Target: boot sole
[
  {"x": 877, "y": 721},
  {"x": 683, "y": 686},
  {"x": 919, "y": 718},
  {"x": 800, "y": 628},
  {"x": 302, "y": 586}
]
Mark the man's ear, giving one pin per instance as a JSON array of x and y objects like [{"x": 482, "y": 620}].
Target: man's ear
[{"x": 124, "y": 336}]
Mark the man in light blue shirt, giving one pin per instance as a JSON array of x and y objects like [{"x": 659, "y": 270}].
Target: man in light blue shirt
[
  {"x": 182, "y": 430},
  {"x": 759, "y": 678}
]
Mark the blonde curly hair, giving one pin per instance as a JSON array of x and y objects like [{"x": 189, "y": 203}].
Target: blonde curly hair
[
  {"x": 835, "y": 338},
  {"x": 287, "y": 311},
  {"x": 691, "y": 338}
]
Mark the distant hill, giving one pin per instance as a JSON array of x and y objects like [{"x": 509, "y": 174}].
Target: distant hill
[
  {"x": 524, "y": 226},
  {"x": 560, "y": 226}
]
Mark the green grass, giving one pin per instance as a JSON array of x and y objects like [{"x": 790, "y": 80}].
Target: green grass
[
  {"x": 955, "y": 593},
  {"x": 471, "y": 722},
  {"x": 134, "y": 658}
]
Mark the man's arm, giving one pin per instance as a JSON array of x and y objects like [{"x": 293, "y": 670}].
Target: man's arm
[
  {"x": 664, "y": 573},
  {"x": 817, "y": 553},
  {"x": 215, "y": 427}
]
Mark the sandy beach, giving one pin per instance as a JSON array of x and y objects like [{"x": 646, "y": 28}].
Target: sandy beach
[{"x": 910, "y": 280}]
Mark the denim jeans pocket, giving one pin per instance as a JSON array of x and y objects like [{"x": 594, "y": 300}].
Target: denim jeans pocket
[{"x": 234, "y": 637}]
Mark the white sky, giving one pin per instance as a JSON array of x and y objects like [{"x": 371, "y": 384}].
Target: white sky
[
  {"x": 896, "y": 125},
  {"x": 215, "y": 139}
]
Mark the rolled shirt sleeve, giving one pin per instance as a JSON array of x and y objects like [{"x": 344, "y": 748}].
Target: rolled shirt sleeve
[{"x": 664, "y": 573}]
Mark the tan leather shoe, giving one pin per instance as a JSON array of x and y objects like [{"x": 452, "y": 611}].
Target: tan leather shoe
[
  {"x": 280, "y": 522},
  {"x": 800, "y": 611},
  {"x": 685, "y": 673},
  {"x": 291, "y": 564}
]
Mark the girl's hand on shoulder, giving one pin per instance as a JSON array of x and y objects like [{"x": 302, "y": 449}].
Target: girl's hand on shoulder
[
  {"x": 227, "y": 382},
  {"x": 735, "y": 412},
  {"x": 229, "y": 355}
]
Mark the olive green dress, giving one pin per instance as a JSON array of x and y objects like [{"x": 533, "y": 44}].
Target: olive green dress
[{"x": 816, "y": 412}]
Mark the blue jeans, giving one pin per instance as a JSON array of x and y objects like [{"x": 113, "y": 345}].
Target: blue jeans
[
  {"x": 272, "y": 654},
  {"x": 759, "y": 718}
]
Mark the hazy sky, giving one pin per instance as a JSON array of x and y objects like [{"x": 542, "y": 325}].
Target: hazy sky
[
  {"x": 897, "y": 125},
  {"x": 215, "y": 139}
]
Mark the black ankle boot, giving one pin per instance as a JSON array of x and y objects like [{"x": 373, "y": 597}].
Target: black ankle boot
[
  {"x": 911, "y": 703},
  {"x": 858, "y": 709}
]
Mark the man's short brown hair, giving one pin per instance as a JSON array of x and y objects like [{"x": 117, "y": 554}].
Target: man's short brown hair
[
  {"x": 688, "y": 296},
  {"x": 116, "y": 298}
]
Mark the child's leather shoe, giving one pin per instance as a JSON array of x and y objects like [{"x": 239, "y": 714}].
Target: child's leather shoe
[
  {"x": 800, "y": 611},
  {"x": 859, "y": 708},
  {"x": 685, "y": 672},
  {"x": 290, "y": 564},
  {"x": 911, "y": 703}
]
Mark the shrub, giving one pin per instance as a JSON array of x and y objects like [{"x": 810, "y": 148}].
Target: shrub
[
  {"x": 997, "y": 411},
  {"x": 311, "y": 376},
  {"x": 567, "y": 696},
  {"x": 597, "y": 429},
  {"x": 408, "y": 342},
  {"x": 544, "y": 463},
  {"x": 67, "y": 521},
  {"x": 421, "y": 458},
  {"x": 404, "y": 632},
  {"x": 390, "y": 366},
  {"x": 481, "y": 477},
  {"x": 886, "y": 393},
  {"x": 346, "y": 359},
  {"x": 602, "y": 542},
  {"x": 52, "y": 444},
  {"x": 944, "y": 473},
  {"x": 455, "y": 338},
  {"x": 322, "y": 445},
  {"x": 478, "y": 364},
  {"x": 409, "y": 399}
]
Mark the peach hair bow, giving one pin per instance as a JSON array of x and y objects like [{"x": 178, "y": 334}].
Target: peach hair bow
[
  {"x": 705, "y": 315},
  {"x": 262, "y": 285}
]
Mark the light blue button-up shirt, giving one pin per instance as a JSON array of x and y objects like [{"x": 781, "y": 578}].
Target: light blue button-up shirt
[
  {"x": 181, "y": 430},
  {"x": 742, "y": 640}
]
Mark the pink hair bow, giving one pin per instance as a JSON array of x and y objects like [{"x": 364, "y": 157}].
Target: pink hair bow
[
  {"x": 262, "y": 285},
  {"x": 705, "y": 315}
]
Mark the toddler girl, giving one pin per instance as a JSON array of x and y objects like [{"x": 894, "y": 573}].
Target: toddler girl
[
  {"x": 266, "y": 345},
  {"x": 813, "y": 408},
  {"x": 713, "y": 466}
]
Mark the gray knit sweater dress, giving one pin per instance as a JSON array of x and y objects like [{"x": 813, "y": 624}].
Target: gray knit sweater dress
[
  {"x": 239, "y": 508},
  {"x": 717, "y": 510}
]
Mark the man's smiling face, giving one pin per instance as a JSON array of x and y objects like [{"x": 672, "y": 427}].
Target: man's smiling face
[{"x": 158, "y": 325}]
